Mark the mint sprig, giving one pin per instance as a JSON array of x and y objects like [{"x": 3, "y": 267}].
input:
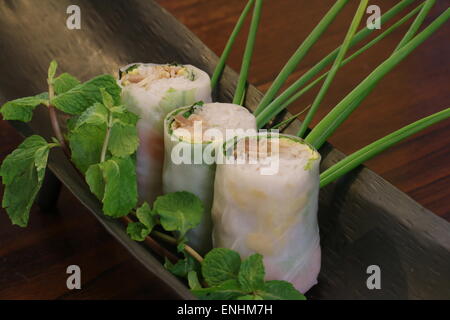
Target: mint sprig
[
  {"x": 114, "y": 183},
  {"x": 179, "y": 211},
  {"x": 229, "y": 278},
  {"x": 22, "y": 173}
]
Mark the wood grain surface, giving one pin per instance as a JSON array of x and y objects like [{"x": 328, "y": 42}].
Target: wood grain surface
[{"x": 33, "y": 261}]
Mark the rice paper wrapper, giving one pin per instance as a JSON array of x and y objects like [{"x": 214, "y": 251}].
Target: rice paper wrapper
[
  {"x": 273, "y": 215},
  {"x": 197, "y": 174},
  {"x": 152, "y": 104}
]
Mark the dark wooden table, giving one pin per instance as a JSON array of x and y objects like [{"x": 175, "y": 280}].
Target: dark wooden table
[{"x": 33, "y": 261}]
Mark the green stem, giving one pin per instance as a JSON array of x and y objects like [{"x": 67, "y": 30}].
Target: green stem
[
  {"x": 226, "y": 52},
  {"x": 246, "y": 60},
  {"x": 364, "y": 33},
  {"x": 171, "y": 240},
  {"x": 427, "y": 5},
  {"x": 354, "y": 160},
  {"x": 288, "y": 121},
  {"x": 335, "y": 67},
  {"x": 54, "y": 120},
  {"x": 301, "y": 52},
  {"x": 107, "y": 137},
  {"x": 273, "y": 109},
  {"x": 343, "y": 109}
]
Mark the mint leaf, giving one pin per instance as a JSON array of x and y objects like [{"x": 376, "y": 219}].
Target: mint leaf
[
  {"x": 95, "y": 115},
  {"x": 193, "y": 280},
  {"x": 22, "y": 109},
  {"x": 137, "y": 231},
  {"x": 250, "y": 297},
  {"x": 94, "y": 178},
  {"x": 64, "y": 83},
  {"x": 179, "y": 211},
  {"x": 227, "y": 290},
  {"x": 107, "y": 100},
  {"x": 146, "y": 216},
  {"x": 86, "y": 144},
  {"x": 147, "y": 220},
  {"x": 183, "y": 266},
  {"x": 124, "y": 139},
  {"x": 52, "y": 71},
  {"x": 251, "y": 273},
  {"x": 120, "y": 186},
  {"x": 23, "y": 172},
  {"x": 280, "y": 290},
  {"x": 220, "y": 265},
  {"x": 84, "y": 95}
]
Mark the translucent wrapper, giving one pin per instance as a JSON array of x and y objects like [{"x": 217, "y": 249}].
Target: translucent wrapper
[
  {"x": 271, "y": 211},
  {"x": 190, "y": 157},
  {"x": 152, "y": 91}
]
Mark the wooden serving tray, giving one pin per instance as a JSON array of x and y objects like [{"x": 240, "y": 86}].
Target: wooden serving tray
[{"x": 364, "y": 220}]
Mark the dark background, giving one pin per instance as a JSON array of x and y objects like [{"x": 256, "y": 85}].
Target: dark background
[{"x": 33, "y": 260}]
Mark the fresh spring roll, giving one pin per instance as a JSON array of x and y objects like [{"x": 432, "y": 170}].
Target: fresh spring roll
[
  {"x": 266, "y": 202},
  {"x": 192, "y": 136},
  {"x": 152, "y": 91}
]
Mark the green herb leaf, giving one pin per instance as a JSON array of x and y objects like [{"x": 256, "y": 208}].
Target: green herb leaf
[
  {"x": 95, "y": 115},
  {"x": 137, "y": 231},
  {"x": 79, "y": 98},
  {"x": 183, "y": 266},
  {"x": 179, "y": 211},
  {"x": 94, "y": 178},
  {"x": 120, "y": 186},
  {"x": 146, "y": 216},
  {"x": 64, "y": 83},
  {"x": 22, "y": 109},
  {"x": 86, "y": 144},
  {"x": 124, "y": 139},
  {"x": 193, "y": 280},
  {"x": 52, "y": 70},
  {"x": 227, "y": 290},
  {"x": 107, "y": 99},
  {"x": 280, "y": 290},
  {"x": 251, "y": 273},
  {"x": 250, "y": 297},
  {"x": 220, "y": 265},
  {"x": 23, "y": 172}
]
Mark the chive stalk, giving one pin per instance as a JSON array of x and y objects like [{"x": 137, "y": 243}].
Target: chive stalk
[
  {"x": 361, "y": 35},
  {"x": 274, "y": 109},
  {"x": 335, "y": 67},
  {"x": 427, "y": 5},
  {"x": 227, "y": 50},
  {"x": 289, "y": 120},
  {"x": 301, "y": 52},
  {"x": 246, "y": 61},
  {"x": 354, "y": 160},
  {"x": 343, "y": 109}
]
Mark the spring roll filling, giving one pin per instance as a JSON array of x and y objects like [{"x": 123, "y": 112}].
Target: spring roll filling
[
  {"x": 144, "y": 76},
  {"x": 215, "y": 116}
]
